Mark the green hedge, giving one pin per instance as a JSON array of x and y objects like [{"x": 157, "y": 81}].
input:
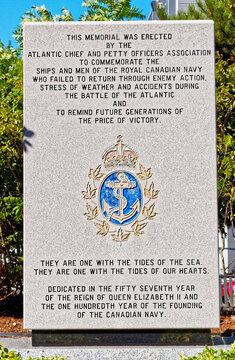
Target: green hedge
[
  {"x": 207, "y": 354},
  {"x": 212, "y": 354},
  {"x": 13, "y": 355}
]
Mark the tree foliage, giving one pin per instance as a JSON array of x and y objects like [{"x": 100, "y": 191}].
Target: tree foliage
[
  {"x": 225, "y": 107},
  {"x": 11, "y": 168},
  {"x": 222, "y": 12},
  {"x": 110, "y": 10},
  {"x": 11, "y": 152},
  {"x": 36, "y": 14}
]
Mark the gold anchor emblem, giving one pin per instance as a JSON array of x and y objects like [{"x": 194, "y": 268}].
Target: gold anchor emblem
[
  {"x": 119, "y": 201},
  {"x": 118, "y": 187}
]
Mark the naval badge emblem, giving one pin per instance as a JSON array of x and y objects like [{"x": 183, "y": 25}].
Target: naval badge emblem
[{"x": 120, "y": 201}]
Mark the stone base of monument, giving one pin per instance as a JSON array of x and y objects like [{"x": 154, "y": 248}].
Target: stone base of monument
[{"x": 121, "y": 337}]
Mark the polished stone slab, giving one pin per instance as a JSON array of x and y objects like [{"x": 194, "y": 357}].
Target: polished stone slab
[{"x": 121, "y": 338}]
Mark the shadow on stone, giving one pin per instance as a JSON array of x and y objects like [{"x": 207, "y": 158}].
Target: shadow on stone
[
  {"x": 27, "y": 134},
  {"x": 121, "y": 337}
]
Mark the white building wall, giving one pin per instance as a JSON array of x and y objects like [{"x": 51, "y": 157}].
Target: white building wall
[
  {"x": 172, "y": 6},
  {"x": 229, "y": 252},
  {"x": 183, "y": 4}
]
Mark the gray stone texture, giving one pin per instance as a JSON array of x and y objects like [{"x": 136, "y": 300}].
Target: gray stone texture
[
  {"x": 180, "y": 149},
  {"x": 23, "y": 345}
]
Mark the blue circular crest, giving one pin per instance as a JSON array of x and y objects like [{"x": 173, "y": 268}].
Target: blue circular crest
[{"x": 120, "y": 197}]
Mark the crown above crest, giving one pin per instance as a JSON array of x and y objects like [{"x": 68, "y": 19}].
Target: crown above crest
[{"x": 120, "y": 156}]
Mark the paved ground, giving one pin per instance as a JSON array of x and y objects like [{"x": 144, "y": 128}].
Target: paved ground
[{"x": 23, "y": 344}]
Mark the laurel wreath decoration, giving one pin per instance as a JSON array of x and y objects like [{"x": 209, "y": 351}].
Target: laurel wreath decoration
[{"x": 94, "y": 214}]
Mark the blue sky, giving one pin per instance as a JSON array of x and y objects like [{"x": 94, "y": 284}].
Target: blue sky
[{"x": 12, "y": 11}]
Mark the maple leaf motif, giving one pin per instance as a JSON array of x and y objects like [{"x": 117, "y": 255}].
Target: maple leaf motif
[
  {"x": 103, "y": 228},
  {"x": 120, "y": 236},
  {"x": 144, "y": 174},
  {"x": 126, "y": 237},
  {"x": 89, "y": 193},
  {"x": 137, "y": 228},
  {"x": 151, "y": 193},
  {"x": 93, "y": 192},
  {"x": 149, "y": 213},
  {"x": 91, "y": 213},
  {"x": 96, "y": 174},
  {"x": 91, "y": 174}
]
